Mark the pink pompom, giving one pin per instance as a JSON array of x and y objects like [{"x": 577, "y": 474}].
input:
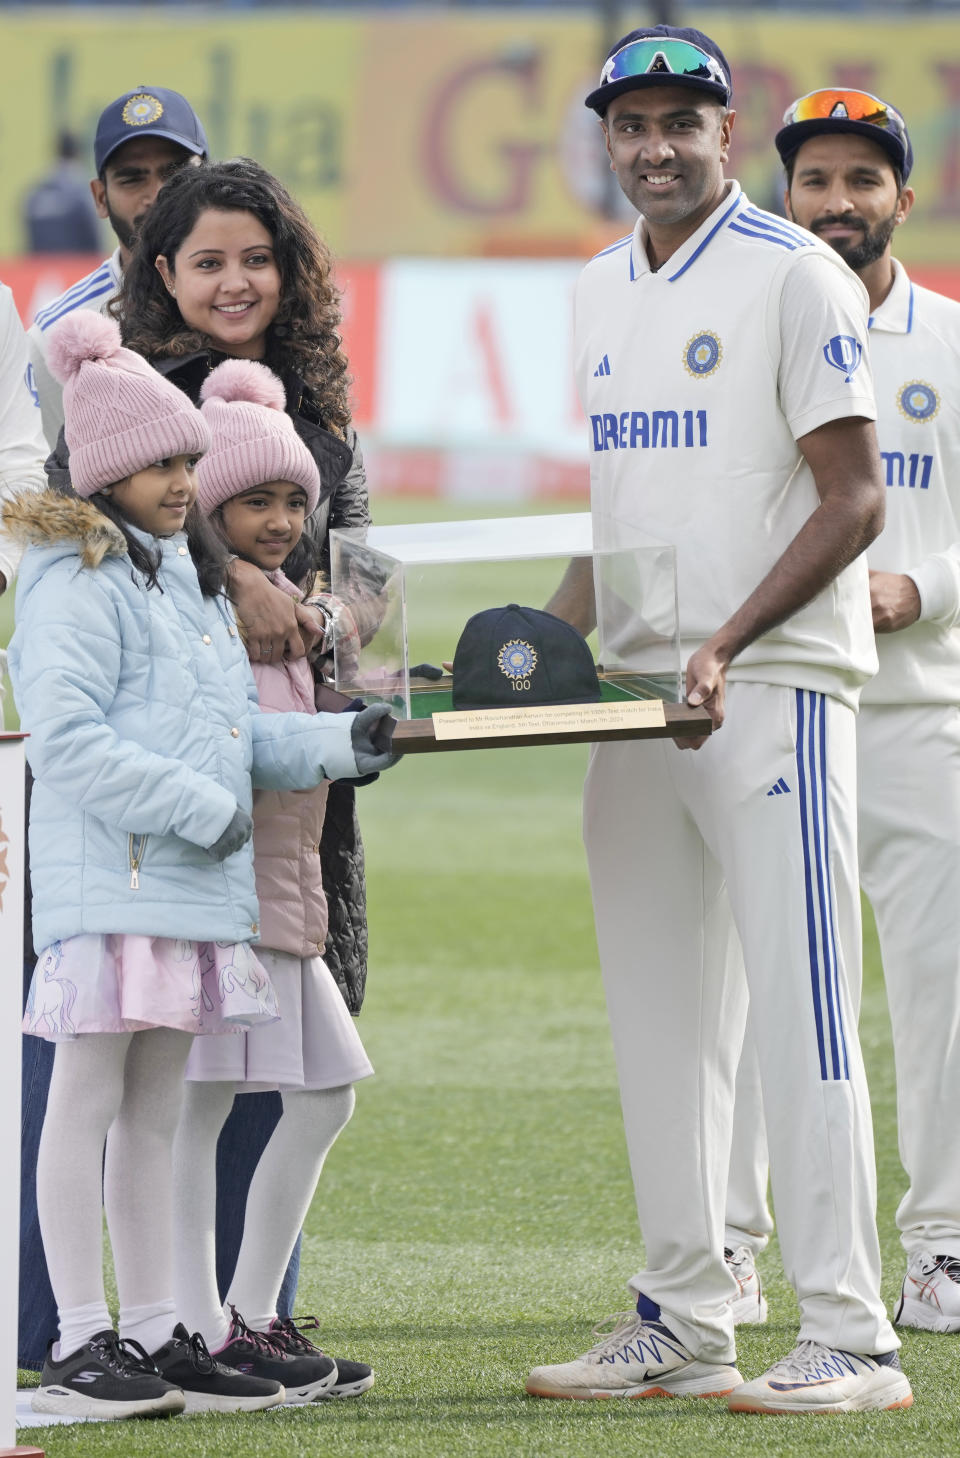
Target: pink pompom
[
  {"x": 245, "y": 380},
  {"x": 82, "y": 335}
]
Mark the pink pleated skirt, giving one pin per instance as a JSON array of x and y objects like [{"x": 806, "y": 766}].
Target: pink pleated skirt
[
  {"x": 315, "y": 1044},
  {"x": 104, "y": 983}
]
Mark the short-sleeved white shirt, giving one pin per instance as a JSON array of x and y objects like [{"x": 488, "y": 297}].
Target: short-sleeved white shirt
[
  {"x": 915, "y": 353},
  {"x": 22, "y": 446},
  {"x": 697, "y": 382}
]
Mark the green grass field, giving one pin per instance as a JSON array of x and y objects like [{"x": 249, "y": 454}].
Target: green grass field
[{"x": 477, "y": 1217}]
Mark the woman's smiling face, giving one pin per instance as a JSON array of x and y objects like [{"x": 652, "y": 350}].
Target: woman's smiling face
[{"x": 226, "y": 281}]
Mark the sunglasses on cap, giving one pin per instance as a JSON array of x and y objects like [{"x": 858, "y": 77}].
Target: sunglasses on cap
[
  {"x": 855, "y": 106},
  {"x": 650, "y": 57}
]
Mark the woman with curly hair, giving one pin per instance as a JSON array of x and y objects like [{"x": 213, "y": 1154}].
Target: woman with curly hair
[{"x": 228, "y": 265}]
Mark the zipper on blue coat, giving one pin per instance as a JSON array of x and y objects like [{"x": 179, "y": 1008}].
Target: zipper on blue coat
[{"x": 136, "y": 856}]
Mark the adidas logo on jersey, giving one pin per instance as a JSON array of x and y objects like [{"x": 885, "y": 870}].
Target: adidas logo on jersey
[
  {"x": 780, "y": 788},
  {"x": 603, "y": 368}
]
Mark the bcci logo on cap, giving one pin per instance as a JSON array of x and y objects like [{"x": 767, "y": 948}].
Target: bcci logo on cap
[
  {"x": 517, "y": 660},
  {"x": 918, "y": 401},
  {"x": 844, "y": 353},
  {"x": 142, "y": 110},
  {"x": 702, "y": 354}
]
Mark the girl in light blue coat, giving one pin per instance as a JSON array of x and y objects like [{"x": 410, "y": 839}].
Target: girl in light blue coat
[{"x": 145, "y": 739}]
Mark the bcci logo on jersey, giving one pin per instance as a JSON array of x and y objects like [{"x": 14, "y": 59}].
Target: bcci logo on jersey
[
  {"x": 844, "y": 353},
  {"x": 702, "y": 355},
  {"x": 918, "y": 401}
]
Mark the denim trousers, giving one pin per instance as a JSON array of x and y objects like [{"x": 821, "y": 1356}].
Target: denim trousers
[{"x": 242, "y": 1141}]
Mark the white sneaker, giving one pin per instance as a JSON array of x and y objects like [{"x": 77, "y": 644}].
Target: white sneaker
[
  {"x": 814, "y": 1378},
  {"x": 930, "y": 1298},
  {"x": 636, "y": 1358},
  {"x": 749, "y": 1306}
]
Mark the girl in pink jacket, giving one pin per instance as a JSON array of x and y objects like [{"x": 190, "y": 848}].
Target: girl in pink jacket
[{"x": 257, "y": 484}]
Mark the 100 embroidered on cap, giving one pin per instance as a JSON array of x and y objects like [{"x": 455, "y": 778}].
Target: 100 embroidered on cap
[{"x": 513, "y": 655}]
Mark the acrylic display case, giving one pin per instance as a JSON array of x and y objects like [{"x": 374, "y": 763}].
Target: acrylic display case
[{"x": 411, "y": 589}]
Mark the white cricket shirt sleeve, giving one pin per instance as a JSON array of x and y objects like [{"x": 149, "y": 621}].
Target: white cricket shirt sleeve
[
  {"x": 937, "y": 580},
  {"x": 23, "y": 448},
  {"x": 824, "y": 363}
]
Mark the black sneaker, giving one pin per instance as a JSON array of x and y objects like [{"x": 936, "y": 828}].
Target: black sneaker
[
  {"x": 209, "y": 1386},
  {"x": 352, "y": 1377},
  {"x": 306, "y": 1375},
  {"x": 106, "y": 1379}
]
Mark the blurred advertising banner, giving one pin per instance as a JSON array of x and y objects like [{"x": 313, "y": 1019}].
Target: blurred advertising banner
[
  {"x": 429, "y": 133},
  {"x": 462, "y": 369}
]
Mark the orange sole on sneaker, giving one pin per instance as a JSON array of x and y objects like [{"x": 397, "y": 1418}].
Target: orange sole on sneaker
[
  {"x": 747, "y": 1406},
  {"x": 601, "y": 1396}
]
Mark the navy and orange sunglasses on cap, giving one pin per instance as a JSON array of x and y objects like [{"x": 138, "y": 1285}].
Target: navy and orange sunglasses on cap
[{"x": 836, "y": 109}]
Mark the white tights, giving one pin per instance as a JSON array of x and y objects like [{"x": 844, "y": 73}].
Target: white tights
[
  {"x": 280, "y": 1192},
  {"x": 124, "y": 1089}
]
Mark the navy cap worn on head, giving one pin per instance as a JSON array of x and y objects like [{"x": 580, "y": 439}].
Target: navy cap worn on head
[
  {"x": 512, "y": 656},
  {"x": 148, "y": 111},
  {"x": 662, "y": 55},
  {"x": 844, "y": 109}
]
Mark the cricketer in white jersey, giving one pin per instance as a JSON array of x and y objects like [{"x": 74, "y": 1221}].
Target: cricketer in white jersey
[
  {"x": 722, "y": 367},
  {"x": 22, "y": 446},
  {"x": 847, "y": 181}
]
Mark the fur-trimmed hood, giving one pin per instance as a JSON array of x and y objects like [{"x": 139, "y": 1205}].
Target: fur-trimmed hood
[{"x": 50, "y": 519}]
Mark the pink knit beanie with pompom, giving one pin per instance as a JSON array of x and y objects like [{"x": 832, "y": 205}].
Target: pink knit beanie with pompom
[
  {"x": 120, "y": 414},
  {"x": 254, "y": 440}
]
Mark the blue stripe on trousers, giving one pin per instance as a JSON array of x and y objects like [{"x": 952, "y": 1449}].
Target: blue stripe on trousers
[{"x": 811, "y": 754}]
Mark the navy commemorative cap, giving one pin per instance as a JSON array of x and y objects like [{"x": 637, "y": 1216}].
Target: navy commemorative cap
[
  {"x": 148, "y": 111},
  {"x": 511, "y": 656},
  {"x": 842, "y": 109},
  {"x": 662, "y": 55}
]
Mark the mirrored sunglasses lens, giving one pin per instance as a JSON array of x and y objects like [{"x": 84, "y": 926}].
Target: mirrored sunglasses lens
[
  {"x": 677, "y": 58},
  {"x": 845, "y": 106}
]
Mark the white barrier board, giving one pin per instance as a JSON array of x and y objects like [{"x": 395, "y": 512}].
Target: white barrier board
[{"x": 11, "y": 983}]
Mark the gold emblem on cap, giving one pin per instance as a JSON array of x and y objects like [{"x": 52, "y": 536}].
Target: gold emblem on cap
[{"x": 142, "y": 109}]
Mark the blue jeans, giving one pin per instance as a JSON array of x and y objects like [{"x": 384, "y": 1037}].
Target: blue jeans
[{"x": 242, "y": 1141}]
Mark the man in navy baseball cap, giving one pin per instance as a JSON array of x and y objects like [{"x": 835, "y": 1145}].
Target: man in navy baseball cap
[
  {"x": 662, "y": 55},
  {"x": 846, "y": 111},
  {"x": 142, "y": 138},
  {"x": 148, "y": 111}
]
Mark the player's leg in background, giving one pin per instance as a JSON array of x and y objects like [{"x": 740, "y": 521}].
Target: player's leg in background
[
  {"x": 677, "y": 1002},
  {"x": 791, "y": 860},
  {"x": 242, "y": 1141},
  {"x": 909, "y": 760},
  {"x": 749, "y": 1222},
  {"x": 38, "y": 1310}
]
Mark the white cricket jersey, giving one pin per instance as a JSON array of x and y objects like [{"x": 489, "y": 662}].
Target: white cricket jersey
[
  {"x": 915, "y": 352},
  {"x": 697, "y": 382},
  {"x": 22, "y": 446},
  {"x": 93, "y": 292}
]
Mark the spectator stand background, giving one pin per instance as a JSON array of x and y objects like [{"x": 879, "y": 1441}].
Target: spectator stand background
[{"x": 448, "y": 158}]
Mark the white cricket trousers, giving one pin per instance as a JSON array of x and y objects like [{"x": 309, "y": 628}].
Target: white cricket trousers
[
  {"x": 909, "y": 761},
  {"x": 909, "y": 817},
  {"x": 759, "y": 824}
]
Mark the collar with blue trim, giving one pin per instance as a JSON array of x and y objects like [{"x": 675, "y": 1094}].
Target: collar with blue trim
[
  {"x": 690, "y": 251},
  {"x": 897, "y": 312}
]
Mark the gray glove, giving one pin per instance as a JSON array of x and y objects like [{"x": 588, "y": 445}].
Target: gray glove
[
  {"x": 237, "y": 833},
  {"x": 370, "y": 735}
]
